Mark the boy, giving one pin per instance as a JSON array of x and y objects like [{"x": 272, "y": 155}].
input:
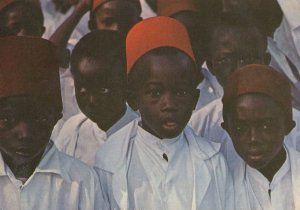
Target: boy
[
  {"x": 21, "y": 18},
  {"x": 34, "y": 174},
  {"x": 234, "y": 42},
  {"x": 258, "y": 115},
  {"x": 156, "y": 162},
  {"x": 98, "y": 68}
]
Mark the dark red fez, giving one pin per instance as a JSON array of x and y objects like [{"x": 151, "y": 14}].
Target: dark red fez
[
  {"x": 262, "y": 79},
  {"x": 4, "y": 3},
  {"x": 153, "y": 33},
  {"x": 29, "y": 66},
  {"x": 97, "y": 3},
  {"x": 171, "y": 7}
]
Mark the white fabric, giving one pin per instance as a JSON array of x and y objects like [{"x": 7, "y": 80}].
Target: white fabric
[
  {"x": 53, "y": 19},
  {"x": 134, "y": 174},
  {"x": 293, "y": 139},
  {"x": 147, "y": 12},
  {"x": 59, "y": 182},
  {"x": 210, "y": 89},
  {"x": 67, "y": 88},
  {"x": 287, "y": 44},
  {"x": 81, "y": 138},
  {"x": 252, "y": 188}
]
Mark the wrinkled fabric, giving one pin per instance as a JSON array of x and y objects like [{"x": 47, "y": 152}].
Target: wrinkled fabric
[
  {"x": 135, "y": 175},
  {"x": 59, "y": 182},
  {"x": 255, "y": 192},
  {"x": 81, "y": 138}
]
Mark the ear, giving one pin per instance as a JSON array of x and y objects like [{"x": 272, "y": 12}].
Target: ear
[
  {"x": 289, "y": 127},
  {"x": 196, "y": 96},
  {"x": 267, "y": 59},
  {"x": 132, "y": 99},
  {"x": 43, "y": 29},
  {"x": 91, "y": 25}
]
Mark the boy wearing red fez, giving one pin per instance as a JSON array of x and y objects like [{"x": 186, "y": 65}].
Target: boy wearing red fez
[
  {"x": 98, "y": 67},
  {"x": 156, "y": 162},
  {"x": 21, "y": 18},
  {"x": 258, "y": 116},
  {"x": 34, "y": 174}
]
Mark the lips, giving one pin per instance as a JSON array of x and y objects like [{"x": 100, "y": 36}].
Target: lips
[
  {"x": 24, "y": 152},
  {"x": 170, "y": 124}
]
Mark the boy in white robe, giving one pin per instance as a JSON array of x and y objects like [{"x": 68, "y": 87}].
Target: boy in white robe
[
  {"x": 98, "y": 68},
  {"x": 258, "y": 115},
  {"x": 33, "y": 173},
  {"x": 156, "y": 162}
]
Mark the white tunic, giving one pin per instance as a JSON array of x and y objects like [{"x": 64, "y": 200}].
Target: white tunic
[
  {"x": 210, "y": 89},
  {"x": 59, "y": 182},
  {"x": 286, "y": 43},
  {"x": 53, "y": 19},
  {"x": 255, "y": 192},
  {"x": 81, "y": 138},
  {"x": 135, "y": 175}
]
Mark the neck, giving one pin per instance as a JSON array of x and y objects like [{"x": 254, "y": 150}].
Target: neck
[
  {"x": 105, "y": 125},
  {"x": 23, "y": 171},
  {"x": 270, "y": 170}
]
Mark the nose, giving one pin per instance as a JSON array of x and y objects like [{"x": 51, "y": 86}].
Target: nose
[
  {"x": 23, "y": 130},
  {"x": 254, "y": 133},
  {"x": 169, "y": 102}
]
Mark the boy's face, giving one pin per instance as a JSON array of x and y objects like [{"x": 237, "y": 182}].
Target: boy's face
[
  {"x": 257, "y": 127},
  {"x": 168, "y": 94},
  {"x": 100, "y": 90},
  {"x": 230, "y": 51},
  {"x": 25, "y": 128},
  {"x": 20, "y": 24},
  {"x": 116, "y": 15}
]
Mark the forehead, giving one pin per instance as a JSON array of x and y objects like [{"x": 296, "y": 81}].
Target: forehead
[
  {"x": 177, "y": 67},
  {"x": 257, "y": 106},
  {"x": 25, "y": 103},
  {"x": 114, "y": 7},
  {"x": 237, "y": 39}
]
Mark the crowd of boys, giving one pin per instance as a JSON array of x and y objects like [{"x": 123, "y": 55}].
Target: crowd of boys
[{"x": 103, "y": 106}]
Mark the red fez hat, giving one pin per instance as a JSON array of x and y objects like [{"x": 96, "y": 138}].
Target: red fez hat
[
  {"x": 29, "y": 66},
  {"x": 171, "y": 7},
  {"x": 97, "y": 3},
  {"x": 262, "y": 79},
  {"x": 4, "y": 3},
  {"x": 153, "y": 33}
]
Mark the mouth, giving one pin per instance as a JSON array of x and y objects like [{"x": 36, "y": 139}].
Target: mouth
[
  {"x": 24, "y": 152},
  {"x": 255, "y": 155},
  {"x": 170, "y": 124}
]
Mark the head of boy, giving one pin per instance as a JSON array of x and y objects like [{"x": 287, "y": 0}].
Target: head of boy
[
  {"x": 22, "y": 19},
  {"x": 258, "y": 10},
  {"x": 257, "y": 115},
  {"x": 161, "y": 75},
  {"x": 186, "y": 12},
  {"x": 30, "y": 101},
  {"x": 99, "y": 70},
  {"x": 115, "y": 15},
  {"x": 235, "y": 42}
]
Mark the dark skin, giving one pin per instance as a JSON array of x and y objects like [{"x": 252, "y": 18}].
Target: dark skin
[
  {"x": 167, "y": 95},
  {"x": 100, "y": 88},
  {"x": 26, "y": 124},
  {"x": 257, "y": 126},
  {"x": 115, "y": 15},
  {"x": 20, "y": 24},
  {"x": 230, "y": 51}
]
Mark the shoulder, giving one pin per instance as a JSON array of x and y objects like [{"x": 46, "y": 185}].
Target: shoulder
[{"x": 115, "y": 151}]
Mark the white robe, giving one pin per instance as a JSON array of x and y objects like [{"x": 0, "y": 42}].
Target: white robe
[
  {"x": 81, "y": 138},
  {"x": 286, "y": 43},
  {"x": 59, "y": 182},
  {"x": 134, "y": 174},
  {"x": 252, "y": 189},
  {"x": 210, "y": 89}
]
